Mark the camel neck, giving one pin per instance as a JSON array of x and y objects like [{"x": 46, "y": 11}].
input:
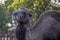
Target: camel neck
[{"x": 21, "y": 32}]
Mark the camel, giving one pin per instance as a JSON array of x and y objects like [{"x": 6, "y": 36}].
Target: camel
[{"x": 47, "y": 27}]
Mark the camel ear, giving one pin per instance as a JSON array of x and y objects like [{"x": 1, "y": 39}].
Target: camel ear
[{"x": 29, "y": 14}]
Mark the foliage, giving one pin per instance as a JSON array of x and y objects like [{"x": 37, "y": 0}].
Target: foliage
[{"x": 3, "y": 17}]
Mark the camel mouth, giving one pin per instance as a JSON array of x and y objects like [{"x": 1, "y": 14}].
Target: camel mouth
[
  {"x": 20, "y": 18},
  {"x": 14, "y": 23},
  {"x": 17, "y": 21}
]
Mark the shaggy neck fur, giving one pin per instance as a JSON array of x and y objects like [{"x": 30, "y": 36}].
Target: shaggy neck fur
[{"x": 20, "y": 31}]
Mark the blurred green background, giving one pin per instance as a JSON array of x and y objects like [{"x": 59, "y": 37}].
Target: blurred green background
[{"x": 36, "y": 7}]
